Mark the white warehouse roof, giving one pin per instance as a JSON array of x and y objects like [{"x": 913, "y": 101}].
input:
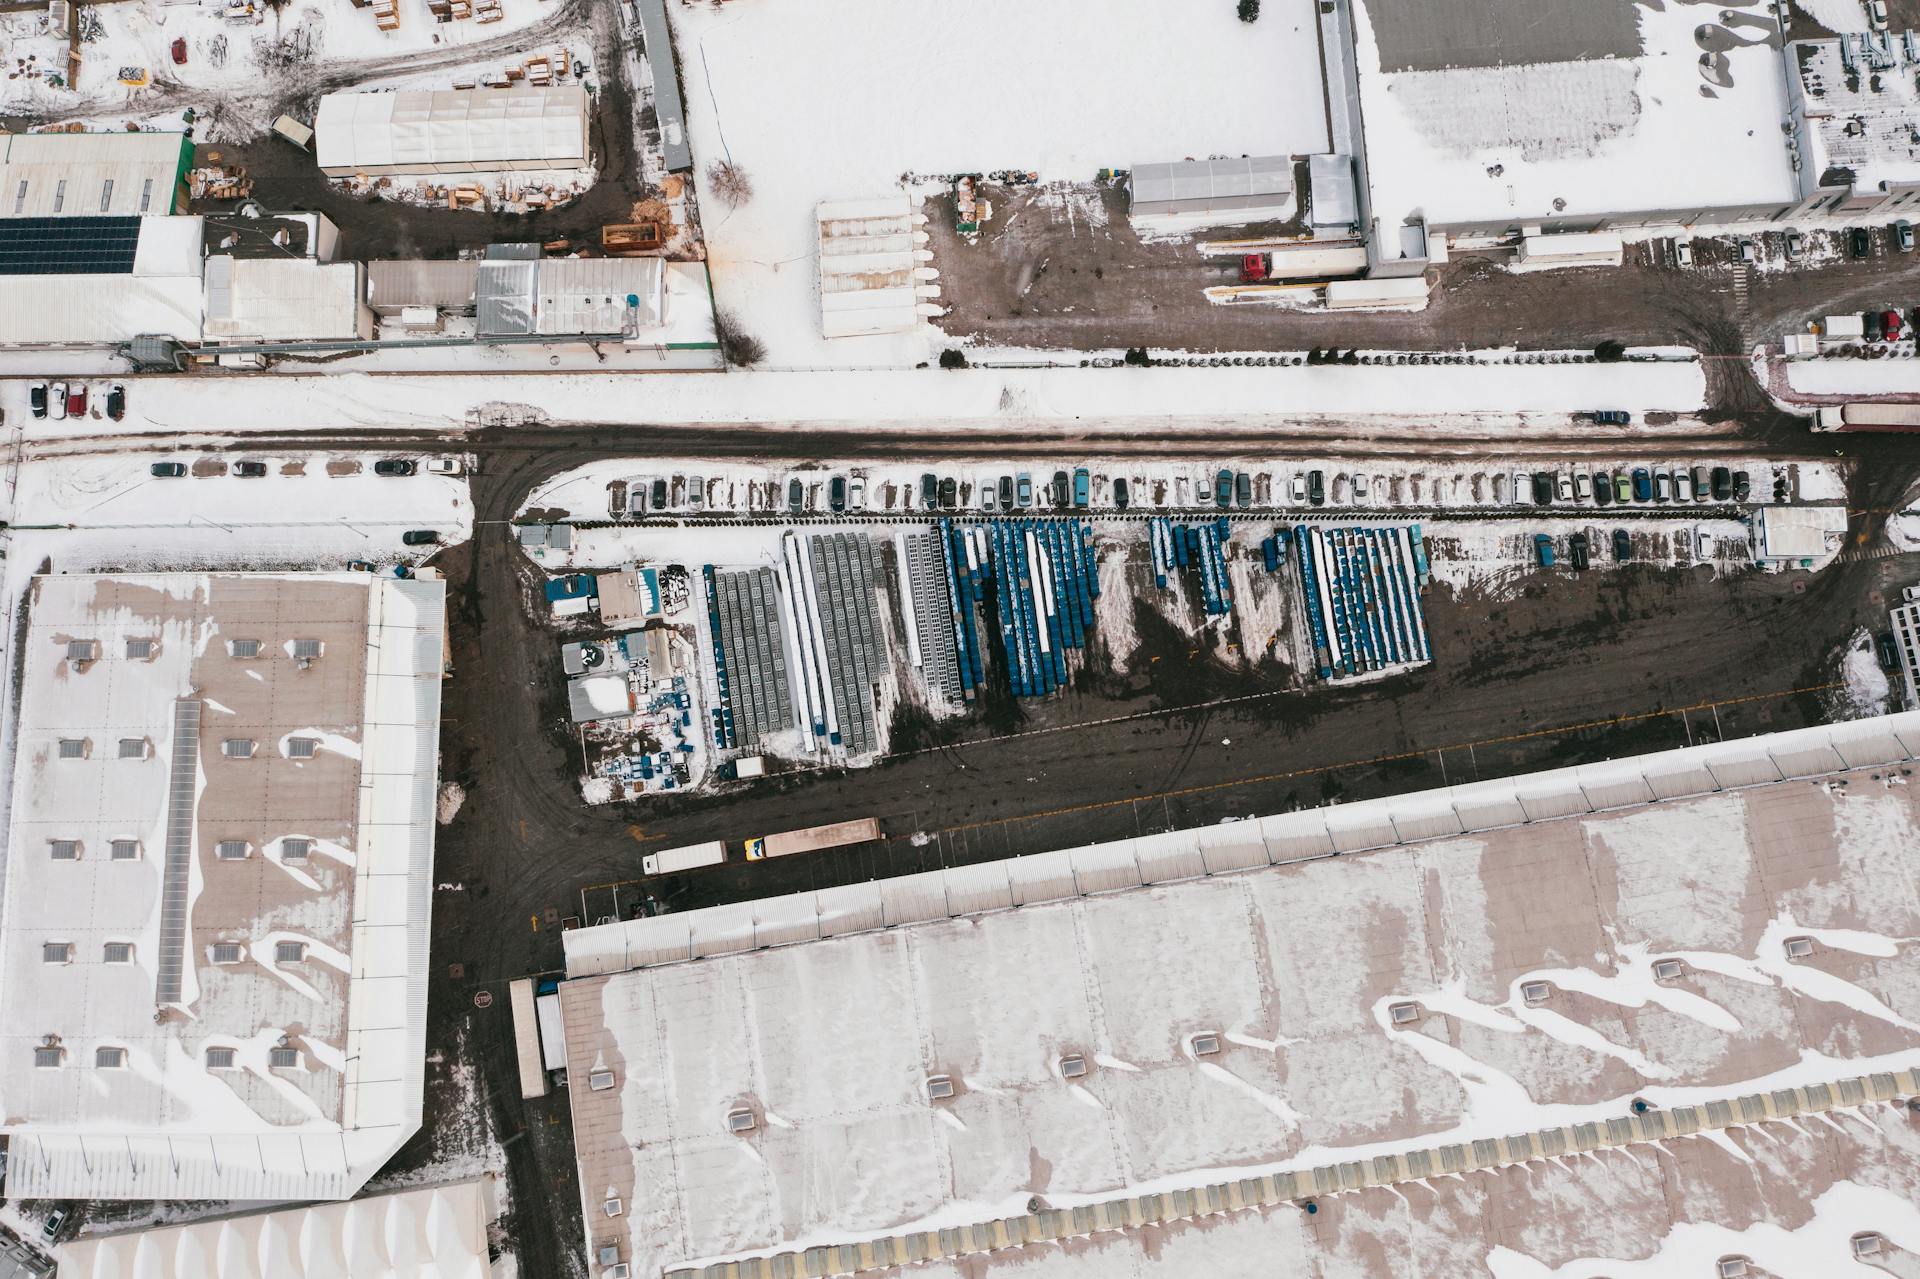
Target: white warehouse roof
[
  {"x": 437, "y": 1232},
  {"x": 71, "y": 175},
  {"x": 1246, "y": 189},
  {"x": 274, "y": 299},
  {"x": 873, "y": 270},
  {"x": 161, "y": 293},
  {"x": 214, "y": 941},
  {"x": 452, "y": 130}
]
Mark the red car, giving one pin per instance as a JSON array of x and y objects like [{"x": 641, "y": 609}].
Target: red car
[
  {"x": 1892, "y": 321},
  {"x": 180, "y": 52},
  {"x": 77, "y": 400}
]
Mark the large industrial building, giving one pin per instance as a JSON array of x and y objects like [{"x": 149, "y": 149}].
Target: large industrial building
[
  {"x": 1400, "y": 1037},
  {"x": 218, "y": 884},
  {"x": 91, "y": 175}
]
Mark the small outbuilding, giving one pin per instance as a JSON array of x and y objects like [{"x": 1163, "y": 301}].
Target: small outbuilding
[{"x": 1213, "y": 192}]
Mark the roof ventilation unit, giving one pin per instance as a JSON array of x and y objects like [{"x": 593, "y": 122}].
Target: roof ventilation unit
[
  {"x": 619, "y": 1271},
  {"x": 1535, "y": 992},
  {"x": 614, "y": 1207},
  {"x": 1206, "y": 1045},
  {"x": 1799, "y": 947},
  {"x": 600, "y": 1080},
  {"x": 82, "y": 651},
  {"x": 1733, "y": 1268},
  {"x": 1669, "y": 970},
  {"x": 741, "y": 1120},
  {"x": 1866, "y": 1245},
  {"x": 1073, "y": 1066},
  {"x": 1404, "y": 1013},
  {"x": 939, "y": 1087}
]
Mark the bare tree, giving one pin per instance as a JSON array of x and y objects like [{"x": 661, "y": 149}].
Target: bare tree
[
  {"x": 730, "y": 182},
  {"x": 737, "y": 346}
]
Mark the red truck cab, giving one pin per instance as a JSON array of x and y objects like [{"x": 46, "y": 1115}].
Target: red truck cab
[{"x": 1253, "y": 268}]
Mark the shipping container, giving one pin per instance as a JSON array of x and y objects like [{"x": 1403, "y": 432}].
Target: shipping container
[
  {"x": 526, "y": 1039},
  {"x": 813, "y": 839},
  {"x": 553, "y": 1040}
]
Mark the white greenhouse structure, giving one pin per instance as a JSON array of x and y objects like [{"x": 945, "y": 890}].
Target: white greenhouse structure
[{"x": 452, "y": 131}]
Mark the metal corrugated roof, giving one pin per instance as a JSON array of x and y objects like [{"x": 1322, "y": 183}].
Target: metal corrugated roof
[{"x": 1247, "y": 184}]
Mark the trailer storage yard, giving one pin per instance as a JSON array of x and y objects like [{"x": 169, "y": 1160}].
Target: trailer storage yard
[{"x": 757, "y": 622}]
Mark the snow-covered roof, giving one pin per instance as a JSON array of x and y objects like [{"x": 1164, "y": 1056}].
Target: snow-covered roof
[
  {"x": 273, "y": 299},
  {"x": 452, "y": 130},
  {"x": 872, "y": 266},
  {"x": 1858, "y": 106},
  {"x": 824, "y": 1015},
  {"x": 233, "y": 775},
  {"x": 591, "y": 295},
  {"x": 1797, "y": 532},
  {"x": 1550, "y": 127},
  {"x": 436, "y": 1232},
  {"x": 74, "y": 305},
  {"x": 53, "y": 175}
]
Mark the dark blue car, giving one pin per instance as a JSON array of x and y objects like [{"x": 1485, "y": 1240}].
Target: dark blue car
[{"x": 1642, "y": 485}]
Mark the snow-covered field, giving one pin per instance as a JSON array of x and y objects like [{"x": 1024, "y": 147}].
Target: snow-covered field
[
  {"x": 1657, "y": 131},
  {"x": 1480, "y": 398},
  {"x": 837, "y": 99}
]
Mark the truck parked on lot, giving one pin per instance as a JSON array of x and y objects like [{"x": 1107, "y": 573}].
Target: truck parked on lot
[
  {"x": 674, "y": 860},
  {"x": 813, "y": 839},
  {"x": 1870, "y": 415}
]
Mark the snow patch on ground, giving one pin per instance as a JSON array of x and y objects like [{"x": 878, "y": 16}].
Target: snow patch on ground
[
  {"x": 1865, "y": 689},
  {"x": 447, "y": 804}
]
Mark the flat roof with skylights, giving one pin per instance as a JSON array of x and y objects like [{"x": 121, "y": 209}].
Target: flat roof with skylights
[
  {"x": 1507, "y": 971},
  {"x": 218, "y": 878}
]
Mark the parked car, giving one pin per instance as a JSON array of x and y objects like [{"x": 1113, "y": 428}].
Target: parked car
[
  {"x": 949, "y": 493},
  {"x": 1543, "y": 549},
  {"x": 393, "y": 466},
  {"x": 1749, "y": 253},
  {"x": 249, "y": 470},
  {"x": 1223, "y": 488},
  {"x": 1795, "y": 244},
  {"x": 1642, "y": 485},
  {"x": 1602, "y": 488},
  {"x": 930, "y": 489},
  {"x": 1702, "y": 543},
  {"x": 1243, "y": 489},
  {"x": 1889, "y": 654},
  {"x": 1082, "y": 487},
  {"x": 167, "y": 470},
  {"x": 116, "y": 401},
  {"x": 419, "y": 537},
  {"x": 1298, "y": 489},
  {"x": 1359, "y": 486},
  {"x": 1702, "y": 484},
  {"x": 454, "y": 466},
  {"x": 1563, "y": 487},
  {"x": 1542, "y": 488},
  {"x": 77, "y": 399},
  {"x": 1122, "y": 496},
  {"x": 837, "y": 494},
  {"x": 1612, "y": 417},
  {"x": 1859, "y": 243},
  {"x": 1317, "y": 487},
  {"x": 1522, "y": 487},
  {"x": 660, "y": 493},
  {"x": 1023, "y": 490},
  {"x": 988, "y": 501},
  {"x": 57, "y": 401},
  {"x": 361, "y": 566},
  {"x": 1742, "y": 486},
  {"x": 1662, "y": 486},
  {"x": 856, "y": 495},
  {"x": 1062, "y": 489},
  {"x": 1890, "y": 321},
  {"x": 1877, "y": 14},
  {"x": 1622, "y": 488},
  {"x": 1499, "y": 488},
  {"x": 1683, "y": 253},
  {"x": 37, "y": 399},
  {"x": 1682, "y": 485},
  {"x": 178, "y": 51},
  {"x": 1582, "y": 487},
  {"x": 1006, "y": 492},
  {"x": 1722, "y": 484},
  {"x": 1577, "y": 550},
  {"x": 1622, "y": 546},
  {"x": 1874, "y": 326},
  {"x": 1903, "y": 235},
  {"x": 55, "y": 1223}
]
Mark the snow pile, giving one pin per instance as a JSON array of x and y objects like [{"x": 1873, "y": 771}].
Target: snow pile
[
  {"x": 1864, "y": 688},
  {"x": 447, "y": 805}
]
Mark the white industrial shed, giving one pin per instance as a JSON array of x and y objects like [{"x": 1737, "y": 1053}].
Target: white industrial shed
[
  {"x": 452, "y": 131},
  {"x": 108, "y": 174},
  {"x": 1214, "y": 192}
]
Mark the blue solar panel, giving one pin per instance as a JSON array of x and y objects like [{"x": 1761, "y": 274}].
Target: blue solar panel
[{"x": 68, "y": 246}]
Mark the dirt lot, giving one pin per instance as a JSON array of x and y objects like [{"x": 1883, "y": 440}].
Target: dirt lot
[{"x": 1063, "y": 269}]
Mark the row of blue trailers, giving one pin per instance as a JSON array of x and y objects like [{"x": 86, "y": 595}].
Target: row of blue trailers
[
  {"x": 1362, "y": 591},
  {"x": 1044, "y": 580}
]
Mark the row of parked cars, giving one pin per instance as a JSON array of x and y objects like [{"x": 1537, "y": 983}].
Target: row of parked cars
[
  {"x": 251, "y": 469},
  {"x": 1641, "y": 484},
  {"x": 62, "y": 400}
]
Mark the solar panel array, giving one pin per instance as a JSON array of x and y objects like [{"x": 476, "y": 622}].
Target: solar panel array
[{"x": 68, "y": 246}]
